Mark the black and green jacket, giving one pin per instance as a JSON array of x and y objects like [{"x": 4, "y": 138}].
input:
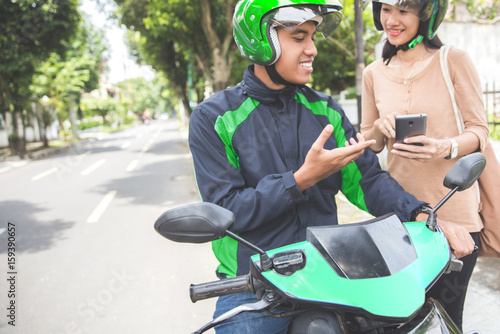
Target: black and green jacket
[{"x": 248, "y": 140}]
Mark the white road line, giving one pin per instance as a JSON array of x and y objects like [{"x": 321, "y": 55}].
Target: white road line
[
  {"x": 125, "y": 145},
  {"x": 44, "y": 174},
  {"x": 132, "y": 165},
  {"x": 93, "y": 167},
  {"x": 145, "y": 148},
  {"x": 83, "y": 155},
  {"x": 103, "y": 205}
]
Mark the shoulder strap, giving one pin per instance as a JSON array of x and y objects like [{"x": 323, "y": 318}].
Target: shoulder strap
[{"x": 443, "y": 59}]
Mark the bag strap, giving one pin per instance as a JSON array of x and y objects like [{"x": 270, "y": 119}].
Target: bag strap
[{"x": 443, "y": 59}]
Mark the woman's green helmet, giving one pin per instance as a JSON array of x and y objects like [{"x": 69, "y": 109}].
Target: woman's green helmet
[
  {"x": 255, "y": 22},
  {"x": 431, "y": 11}
]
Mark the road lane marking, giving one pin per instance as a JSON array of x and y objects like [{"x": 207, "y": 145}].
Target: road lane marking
[
  {"x": 145, "y": 148},
  {"x": 93, "y": 167},
  {"x": 83, "y": 155},
  {"x": 101, "y": 207},
  {"x": 125, "y": 145},
  {"x": 132, "y": 165},
  {"x": 44, "y": 174}
]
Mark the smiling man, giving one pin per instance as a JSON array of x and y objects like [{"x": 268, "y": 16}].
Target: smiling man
[{"x": 276, "y": 152}]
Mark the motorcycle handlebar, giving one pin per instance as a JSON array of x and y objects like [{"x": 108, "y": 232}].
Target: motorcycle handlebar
[{"x": 226, "y": 286}]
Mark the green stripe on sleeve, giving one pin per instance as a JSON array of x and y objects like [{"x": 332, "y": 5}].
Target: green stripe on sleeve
[
  {"x": 226, "y": 249},
  {"x": 226, "y": 125}
]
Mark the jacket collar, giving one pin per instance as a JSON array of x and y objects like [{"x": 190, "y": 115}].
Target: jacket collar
[{"x": 257, "y": 90}]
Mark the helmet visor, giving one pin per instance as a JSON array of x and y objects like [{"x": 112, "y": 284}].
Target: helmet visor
[
  {"x": 421, "y": 9},
  {"x": 327, "y": 18}
]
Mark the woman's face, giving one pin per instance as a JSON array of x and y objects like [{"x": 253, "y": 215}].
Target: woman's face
[{"x": 399, "y": 25}]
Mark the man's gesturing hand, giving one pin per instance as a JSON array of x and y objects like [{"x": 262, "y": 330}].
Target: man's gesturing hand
[{"x": 321, "y": 163}]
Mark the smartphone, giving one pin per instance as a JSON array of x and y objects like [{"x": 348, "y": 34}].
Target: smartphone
[{"x": 410, "y": 126}]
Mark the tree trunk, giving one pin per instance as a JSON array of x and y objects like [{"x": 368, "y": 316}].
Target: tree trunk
[
  {"x": 72, "y": 116},
  {"x": 220, "y": 49},
  {"x": 19, "y": 143}
]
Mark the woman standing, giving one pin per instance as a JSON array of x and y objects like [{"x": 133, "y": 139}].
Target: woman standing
[{"x": 408, "y": 80}]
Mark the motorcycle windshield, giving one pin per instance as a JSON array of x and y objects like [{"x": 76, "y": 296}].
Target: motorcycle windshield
[{"x": 376, "y": 248}]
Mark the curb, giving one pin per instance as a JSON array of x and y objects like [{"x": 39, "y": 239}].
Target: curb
[{"x": 40, "y": 154}]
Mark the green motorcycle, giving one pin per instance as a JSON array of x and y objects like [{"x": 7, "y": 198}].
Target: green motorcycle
[{"x": 367, "y": 277}]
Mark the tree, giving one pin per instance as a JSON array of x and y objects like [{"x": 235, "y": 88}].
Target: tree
[
  {"x": 63, "y": 78},
  {"x": 31, "y": 30},
  {"x": 173, "y": 41},
  {"x": 175, "y": 36},
  {"x": 335, "y": 66}
]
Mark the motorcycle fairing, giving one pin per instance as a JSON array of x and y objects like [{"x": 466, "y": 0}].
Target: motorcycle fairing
[
  {"x": 396, "y": 296},
  {"x": 376, "y": 248}
]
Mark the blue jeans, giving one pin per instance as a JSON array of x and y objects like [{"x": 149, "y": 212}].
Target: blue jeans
[{"x": 248, "y": 322}]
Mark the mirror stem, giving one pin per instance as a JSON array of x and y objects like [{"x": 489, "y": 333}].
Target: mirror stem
[
  {"x": 432, "y": 219},
  {"x": 265, "y": 263}
]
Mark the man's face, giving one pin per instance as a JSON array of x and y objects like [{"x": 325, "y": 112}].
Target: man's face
[{"x": 297, "y": 53}]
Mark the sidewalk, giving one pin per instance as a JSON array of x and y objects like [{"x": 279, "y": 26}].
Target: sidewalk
[{"x": 35, "y": 151}]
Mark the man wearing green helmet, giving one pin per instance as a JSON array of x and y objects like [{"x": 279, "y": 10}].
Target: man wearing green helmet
[
  {"x": 409, "y": 80},
  {"x": 276, "y": 152}
]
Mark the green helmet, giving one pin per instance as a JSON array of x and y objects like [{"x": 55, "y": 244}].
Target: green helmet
[
  {"x": 255, "y": 22},
  {"x": 428, "y": 11}
]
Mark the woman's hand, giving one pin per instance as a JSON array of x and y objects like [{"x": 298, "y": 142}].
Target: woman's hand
[
  {"x": 431, "y": 149},
  {"x": 458, "y": 237},
  {"x": 386, "y": 125}
]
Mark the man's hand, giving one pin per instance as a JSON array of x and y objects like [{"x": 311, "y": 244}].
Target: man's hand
[{"x": 321, "y": 163}]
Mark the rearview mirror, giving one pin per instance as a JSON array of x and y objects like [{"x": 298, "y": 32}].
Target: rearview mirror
[
  {"x": 465, "y": 171},
  {"x": 461, "y": 176},
  {"x": 195, "y": 223}
]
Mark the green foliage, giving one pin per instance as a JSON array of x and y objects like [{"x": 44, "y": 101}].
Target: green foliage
[
  {"x": 86, "y": 124},
  {"x": 481, "y": 9},
  {"x": 139, "y": 94},
  {"x": 173, "y": 40},
  {"x": 64, "y": 78},
  {"x": 494, "y": 129},
  {"x": 92, "y": 106},
  {"x": 31, "y": 30},
  {"x": 160, "y": 32},
  {"x": 334, "y": 66}
]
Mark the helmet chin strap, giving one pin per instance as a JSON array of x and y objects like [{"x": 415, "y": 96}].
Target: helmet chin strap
[
  {"x": 405, "y": 47},
  {"x": 412, "y": 43},
  {"x": 276, "y": 77}
]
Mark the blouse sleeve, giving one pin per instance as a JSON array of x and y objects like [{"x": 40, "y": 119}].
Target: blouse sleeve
[
  {"x": 369, "y": 112},
  {"x": 468, "y": 94}
]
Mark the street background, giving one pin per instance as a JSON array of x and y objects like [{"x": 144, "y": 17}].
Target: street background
[{"x": 87, "y": 258}]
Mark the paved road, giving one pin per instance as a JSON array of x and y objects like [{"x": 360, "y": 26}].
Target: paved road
[{"x": 87, "y": 259}]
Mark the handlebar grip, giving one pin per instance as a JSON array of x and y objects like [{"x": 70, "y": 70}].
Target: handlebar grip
[{"x": 226, "y": 286}]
